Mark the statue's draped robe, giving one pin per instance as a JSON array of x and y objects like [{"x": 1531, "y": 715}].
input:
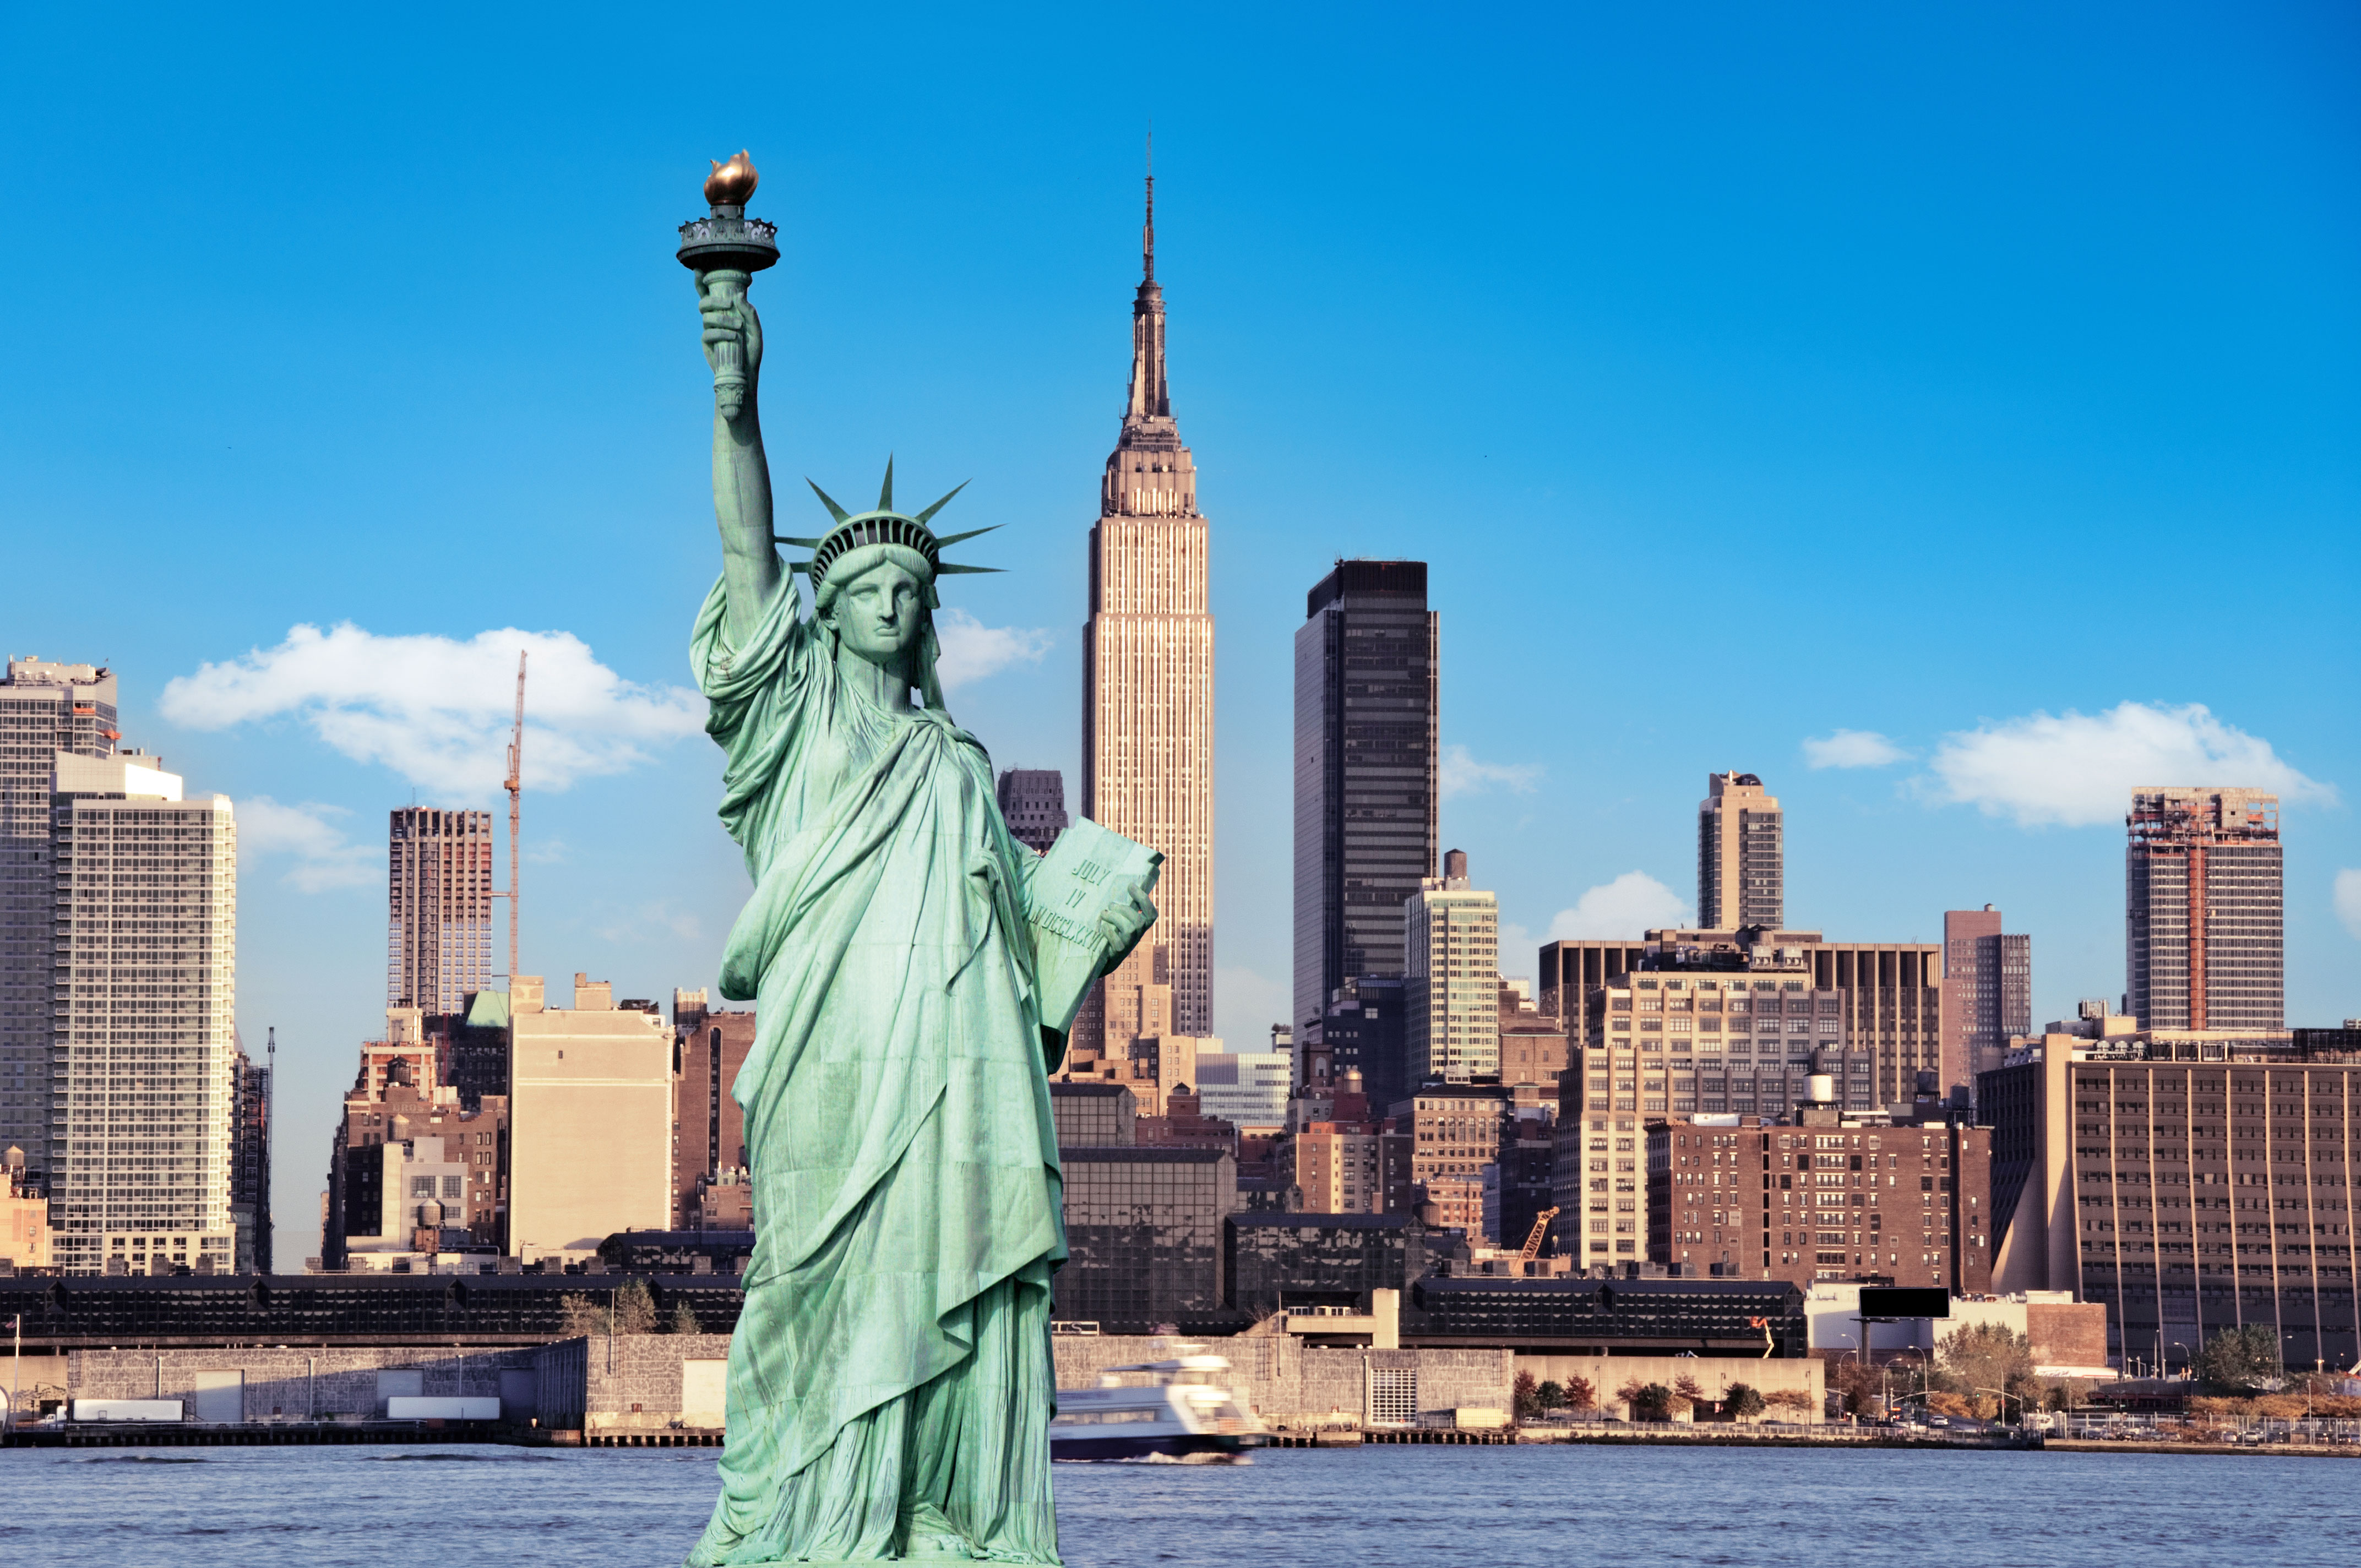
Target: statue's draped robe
[{"x": 890, "y": 1379}]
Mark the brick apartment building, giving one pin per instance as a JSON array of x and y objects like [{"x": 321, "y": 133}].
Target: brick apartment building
[{"x": 1837, "y": 1198}]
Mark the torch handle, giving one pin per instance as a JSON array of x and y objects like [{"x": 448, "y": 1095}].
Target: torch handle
[{"x": 728, "y": 284}]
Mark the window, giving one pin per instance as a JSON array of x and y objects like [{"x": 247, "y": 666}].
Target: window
[{"x": 1392, "y": 1396}]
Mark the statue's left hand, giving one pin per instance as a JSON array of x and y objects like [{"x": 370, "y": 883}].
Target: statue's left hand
[{"x": 1124, "y": 924}]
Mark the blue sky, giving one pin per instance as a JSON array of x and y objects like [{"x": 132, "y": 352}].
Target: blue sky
[{"x": 1952, "y": 377}]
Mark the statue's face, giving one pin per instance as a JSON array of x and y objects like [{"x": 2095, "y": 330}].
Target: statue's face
[{"x": 878, "y": 613}]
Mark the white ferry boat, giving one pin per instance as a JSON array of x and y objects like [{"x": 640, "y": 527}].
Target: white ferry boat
[{"x": 1183, "y": 1412}]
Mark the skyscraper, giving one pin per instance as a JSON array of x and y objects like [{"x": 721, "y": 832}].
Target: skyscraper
[
  {"x": 439, "y": 909},
  {"x": 249, "y": 1159},
  {"x": 146, "y": 905},
  {"x": 1033, "y": 802},
  {"x": 45, "y": 709},
  {"x": 1366, "y": 715},
  {"x": 1742, "y": 877},
  {"x": 1451, "y": 942},
  {"x": 710, "y": 1191},
  {"x": 1147, "y": 677},
  {"x": 1988, "y": 991},
  {"x": 2204, "y": 909}
]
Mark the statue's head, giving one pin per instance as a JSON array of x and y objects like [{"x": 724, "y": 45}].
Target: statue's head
[{"x": 872, "y": 579}]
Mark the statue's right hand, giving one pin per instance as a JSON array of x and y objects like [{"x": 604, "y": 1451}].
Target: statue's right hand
[{"x": 728, "y": 318}]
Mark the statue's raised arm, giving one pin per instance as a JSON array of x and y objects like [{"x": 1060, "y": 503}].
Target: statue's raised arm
[
  {"x": 741, "y": 475},
  {"x": 723, "y": 251}
]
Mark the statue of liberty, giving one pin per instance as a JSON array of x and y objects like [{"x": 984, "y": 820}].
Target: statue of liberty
[{"x": 890, "y": 1378}]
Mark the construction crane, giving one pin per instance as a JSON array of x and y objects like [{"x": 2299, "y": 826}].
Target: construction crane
[
  {"x": 1533, "y": 1238},
  {"x": 515, "y": 786}
]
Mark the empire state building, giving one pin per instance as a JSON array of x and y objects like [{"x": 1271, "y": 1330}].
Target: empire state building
[{"x": 1147, "y": 696}]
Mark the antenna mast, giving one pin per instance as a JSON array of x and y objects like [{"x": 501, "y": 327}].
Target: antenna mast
[{"x": 515, "y": 786}]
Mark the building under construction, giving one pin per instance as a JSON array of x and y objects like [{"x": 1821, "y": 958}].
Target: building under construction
[
  {"x": 2204, "y": 910},
  {"x": 439, "y": 915}
]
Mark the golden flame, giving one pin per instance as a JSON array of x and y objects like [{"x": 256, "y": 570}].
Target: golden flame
[{"x": 732, "y": 183}]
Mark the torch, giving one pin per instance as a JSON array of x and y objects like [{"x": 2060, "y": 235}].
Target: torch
[{"x": 726, "y": 248}]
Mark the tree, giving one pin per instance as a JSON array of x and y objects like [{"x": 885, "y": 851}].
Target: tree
[
  {"x": 2069, "y": 1394},
  {"x": 2240, "y": 1361},
  {"x": 1550, "y": 1396},
  {"x": 635, "y": 1309},
  {"x": 1744, "y": 1401},
  {"x": 1788, "y": 1398},
  {"x": 1857, "y": 1386},
  {"x": 1688, "y": 1389},
  {"x": 1991, "y": 1364},
  {"x": 1526, "y": 1395},
  {"x": 578, "y": 1316},
  {"x": 1654, "y": 1402},
  {"x": 683, "y": 1319},
  {"x": 1579, "y": 1394}
]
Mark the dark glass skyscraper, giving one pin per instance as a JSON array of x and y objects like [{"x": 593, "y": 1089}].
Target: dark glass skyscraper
[{"x": 1365, "y": 773}]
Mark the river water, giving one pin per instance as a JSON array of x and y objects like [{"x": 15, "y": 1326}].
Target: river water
[{"x": 442, "y": 1507}]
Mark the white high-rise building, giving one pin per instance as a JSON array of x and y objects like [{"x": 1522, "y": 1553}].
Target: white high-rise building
[
  {"x": 143, "y": 1042},
  {"x": 1148, "y": 684},
  {"x": 1451, "y": 949},
  {"x": 45, "y": 708}
]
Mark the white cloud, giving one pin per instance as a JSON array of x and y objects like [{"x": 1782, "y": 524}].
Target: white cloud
[
  {"x": 971, "y": 651},
  {"x": 324, "y": 857},
  {"x": 2078, "y": 770},
  {"x": 437, "y": 710},
  {"x": 1852, "y": 749},
  {"x": 2348, "y": 900},
  {"x": 1632, "y": 902},
  {"x": 1463, "y": 774}
]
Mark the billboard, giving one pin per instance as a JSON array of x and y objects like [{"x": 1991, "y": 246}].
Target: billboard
[{"x": 1895, "y": 1301}]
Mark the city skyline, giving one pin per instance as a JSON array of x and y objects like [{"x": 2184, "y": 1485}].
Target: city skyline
[{"x": 1933, "y": 336}]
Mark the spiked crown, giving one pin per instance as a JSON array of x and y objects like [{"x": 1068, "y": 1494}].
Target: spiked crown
[{"x": 855, "y": 530}]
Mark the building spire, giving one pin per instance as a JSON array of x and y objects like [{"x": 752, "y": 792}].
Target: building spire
[{"x": 1149, "y": 474}]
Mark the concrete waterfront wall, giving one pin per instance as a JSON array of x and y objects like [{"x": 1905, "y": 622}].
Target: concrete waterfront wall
[
  {"x": 648, "y": 1382},
  {"x": 37, "y": 1379},
  {"x": 1287, "y": 1383},
  {"x": 634, "y": 1383},
  {"x": 328, "y": 1384},
  {"x": 1713, "y": 1373}
]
